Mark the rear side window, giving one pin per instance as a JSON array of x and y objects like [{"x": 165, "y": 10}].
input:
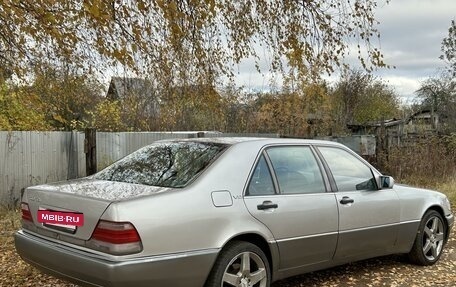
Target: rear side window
[
  {"x": 296, "y": 169},
  {"x": 172, "y": 164},
  {"x": 261, "y": 181}
]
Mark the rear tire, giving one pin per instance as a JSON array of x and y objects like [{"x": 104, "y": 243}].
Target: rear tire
[
  {"x": 430, "y": 239},
  {"x": 240, "y": 264}
]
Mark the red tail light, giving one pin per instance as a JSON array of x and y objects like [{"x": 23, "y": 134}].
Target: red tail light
[
  {"x": 115, "y": 232},
  {"x": 117, "y": 238},
  {"x": 26, "y": 214}
]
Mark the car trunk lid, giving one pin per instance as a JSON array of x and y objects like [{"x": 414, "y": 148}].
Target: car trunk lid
[{"x": 85, "y": 196}]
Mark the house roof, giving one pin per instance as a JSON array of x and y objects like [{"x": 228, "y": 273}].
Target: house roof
[
  {"x": 386, "y": 123},
  {"x": 122, "y": 87}
]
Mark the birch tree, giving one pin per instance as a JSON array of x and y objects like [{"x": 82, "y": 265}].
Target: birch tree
[{"x": 169, "y": 40}]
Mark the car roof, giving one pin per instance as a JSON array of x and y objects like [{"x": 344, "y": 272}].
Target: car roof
[{"x": 262, "y": 141}]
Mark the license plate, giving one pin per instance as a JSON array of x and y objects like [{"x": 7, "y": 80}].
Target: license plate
[{"x": 64, "y": 219}]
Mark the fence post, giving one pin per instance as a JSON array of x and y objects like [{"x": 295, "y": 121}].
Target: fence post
[
  {"x": 73, "y": 156},
  {"x": 90, "y": 150}
]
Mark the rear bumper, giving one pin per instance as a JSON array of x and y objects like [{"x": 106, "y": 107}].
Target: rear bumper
[{"x": 182, "y": 269}]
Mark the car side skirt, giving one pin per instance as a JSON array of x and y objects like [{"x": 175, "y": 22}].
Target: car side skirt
[{"x": 406, "y": 232}]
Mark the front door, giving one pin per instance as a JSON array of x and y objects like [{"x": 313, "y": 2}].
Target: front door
[{"x": 368, "y": 217}]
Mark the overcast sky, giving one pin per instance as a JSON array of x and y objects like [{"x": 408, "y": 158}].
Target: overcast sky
[{"x": 411, "y": 36}]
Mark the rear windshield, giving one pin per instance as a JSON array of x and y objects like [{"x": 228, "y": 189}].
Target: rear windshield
[{"x": 171, "y": 164}]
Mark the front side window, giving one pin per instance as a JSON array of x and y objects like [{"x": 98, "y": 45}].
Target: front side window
[
  {"x": 296, "y": 169},
  {"x": 171, "y": 164},
  {"x": 348, "y": 171},
  {"x": 261, "y": 181}
]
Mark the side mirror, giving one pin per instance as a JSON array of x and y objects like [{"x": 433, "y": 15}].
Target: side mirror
[{"x": 386, "y": 182}]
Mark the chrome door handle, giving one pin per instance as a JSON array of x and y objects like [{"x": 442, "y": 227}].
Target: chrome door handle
[
  {"x": 346, "y": 200},
  {"x": 267, "y": 205}
]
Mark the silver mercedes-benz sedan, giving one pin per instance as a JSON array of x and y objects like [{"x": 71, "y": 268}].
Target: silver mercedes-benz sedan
[{"x": 227, "y": 212}]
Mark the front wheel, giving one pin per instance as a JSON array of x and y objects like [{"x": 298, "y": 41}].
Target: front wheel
[
  {"x": 240, "y": 264},
  {"x": 429, "y": 241}
]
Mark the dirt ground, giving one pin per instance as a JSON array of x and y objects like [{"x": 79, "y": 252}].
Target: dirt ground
[{"x": 384, "y": 271}]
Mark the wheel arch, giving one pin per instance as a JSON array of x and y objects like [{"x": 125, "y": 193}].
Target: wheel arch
[{"x": 270, "y": 249}]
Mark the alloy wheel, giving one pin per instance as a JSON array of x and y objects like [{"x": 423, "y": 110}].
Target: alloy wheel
[
  {"x": 247, "y": 269},
  {"x": 433, "y": 238}
]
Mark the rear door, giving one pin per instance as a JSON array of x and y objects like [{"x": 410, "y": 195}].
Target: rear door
[
  {"x": 368, "y": 217},
  {"x": 287, "y": 192}
]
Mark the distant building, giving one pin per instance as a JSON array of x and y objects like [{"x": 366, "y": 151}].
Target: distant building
[
  {"x": 422, "y": 121},
  {"x": 371, "y": 128},
  {"x": 140, "y": 90}
]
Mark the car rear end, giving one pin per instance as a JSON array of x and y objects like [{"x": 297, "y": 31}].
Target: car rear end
[
  {"x": 104, "y": 251},
  {"x": 108, "y": 248}
]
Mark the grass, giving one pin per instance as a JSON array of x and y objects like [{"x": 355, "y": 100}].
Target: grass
[
  {"x": 9, "y": 220},
  {"x": 429, "y": 162},
  {"x": 449, "y": 188}
]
